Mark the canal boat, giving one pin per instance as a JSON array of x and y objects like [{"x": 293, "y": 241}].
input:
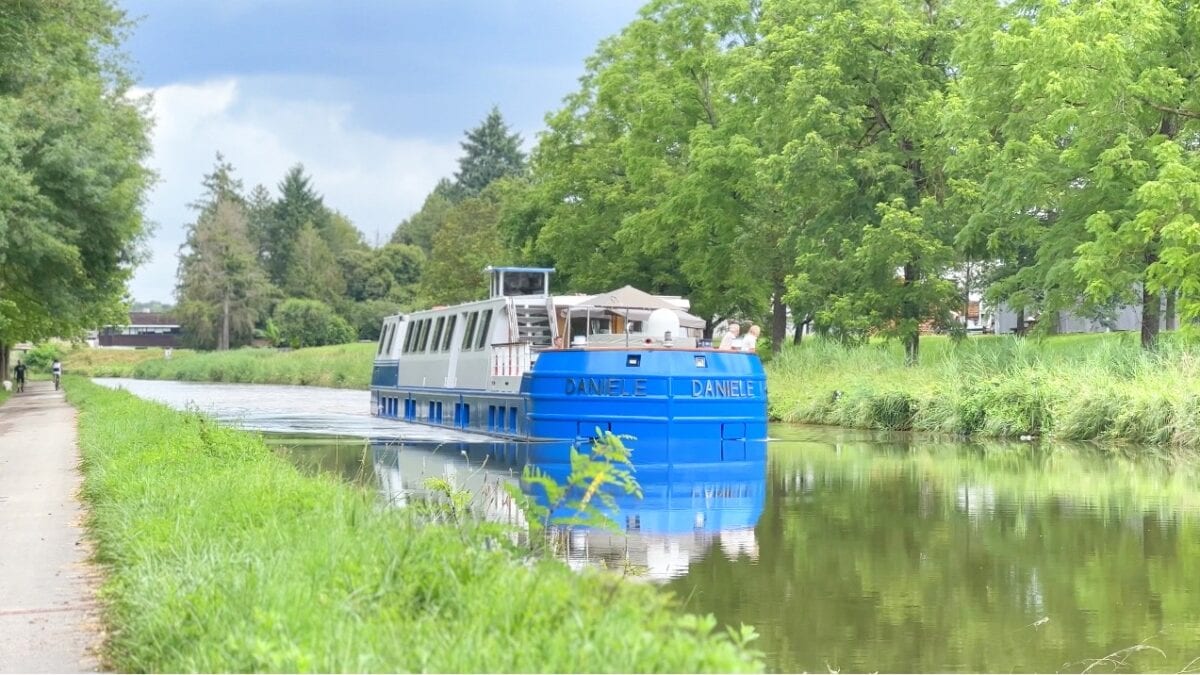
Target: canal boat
[{"x": 526, "y": 366}]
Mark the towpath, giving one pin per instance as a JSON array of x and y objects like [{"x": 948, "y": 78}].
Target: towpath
[{"x": 48, "y": 618}]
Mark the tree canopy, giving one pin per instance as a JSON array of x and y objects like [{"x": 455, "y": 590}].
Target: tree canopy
[
  {"x": 859, "y": 167},
  {"x": 73, "y": 179}
]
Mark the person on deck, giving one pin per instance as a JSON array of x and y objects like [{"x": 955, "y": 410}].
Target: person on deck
[
  {"x": 750, "y": 342},
  {"x": 732, "y": 340}
]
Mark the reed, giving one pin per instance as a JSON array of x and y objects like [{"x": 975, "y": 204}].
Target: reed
[
  {"x": 1079, "y": 387},
  {"x": 221, "y": 557}
]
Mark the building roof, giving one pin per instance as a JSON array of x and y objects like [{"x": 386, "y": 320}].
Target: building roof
[{"x": 151, "y": 319}]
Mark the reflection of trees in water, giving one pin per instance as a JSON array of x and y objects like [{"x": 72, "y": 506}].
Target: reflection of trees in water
[
  {"x": 932, "y": 557},
  {"x": 350, "y": 460}
]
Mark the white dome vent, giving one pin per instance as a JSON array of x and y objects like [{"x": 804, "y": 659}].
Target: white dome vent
[{"x": 662, "y": 321}]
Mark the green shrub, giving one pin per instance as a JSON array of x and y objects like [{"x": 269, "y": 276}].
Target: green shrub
[
  {"x": 42, "y": 356},
  {"x": 366, "y": 318},
  {"x": 311, "y": 323}
]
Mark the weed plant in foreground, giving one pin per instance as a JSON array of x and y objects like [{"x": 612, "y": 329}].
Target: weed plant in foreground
[
  {"x": 220, "y": 556},
  {"x": 1079, "y": 387}
]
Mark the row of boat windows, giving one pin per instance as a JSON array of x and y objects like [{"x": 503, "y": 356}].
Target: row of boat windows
[
  {"x": 441, "y": 330},
  {"x": 500, "y": 418}
]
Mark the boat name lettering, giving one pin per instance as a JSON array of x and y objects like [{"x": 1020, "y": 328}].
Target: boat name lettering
[
  {"x": 722, "y": 389},
  {"x": 605, "y": 386}
]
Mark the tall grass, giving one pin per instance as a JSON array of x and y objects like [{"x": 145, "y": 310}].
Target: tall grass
[
  {"x": 220, "y": 556},
  {"x": 1081, "y": 387},
  {"x": 345, "y": 366}
]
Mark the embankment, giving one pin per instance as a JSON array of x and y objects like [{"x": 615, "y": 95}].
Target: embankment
[
  {"x": 1072, "y": 387},
  {"x": 220, "y": 557},
  {"x": 344, "y": 366},
  {"x": 1078, "y": 387}
]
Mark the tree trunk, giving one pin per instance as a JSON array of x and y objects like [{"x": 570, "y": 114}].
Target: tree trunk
[
  {"x": 912, "y": 341},
  {"x": 1020, "y": 329},
  {"x": 778, "y": 318},
  {"x": 967, "y": 299},
  {"x": 3, "y": 360},
  {"x": 1172, "y": 320},
  {"x": 1150, "y": 314},
  {"x": 912, "y": 348},
  {"x": 798, "y": 330},
  {"x": 224, "y": 344}
]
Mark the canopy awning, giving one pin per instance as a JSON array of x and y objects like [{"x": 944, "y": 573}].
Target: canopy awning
[{"x": 626, "y": 297}]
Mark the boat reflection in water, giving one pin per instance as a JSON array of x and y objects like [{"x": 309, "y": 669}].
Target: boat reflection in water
[{"x": 686, "y": 509}]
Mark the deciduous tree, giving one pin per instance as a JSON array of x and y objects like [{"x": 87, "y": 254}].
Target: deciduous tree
[
  {"x": 222, "y": 290},
  {"x": 1096, "y": 151},
  {"x": 313, "y": 272},
  {"x": 468, "y": 242},
  {"x": 72, "y": 176}
]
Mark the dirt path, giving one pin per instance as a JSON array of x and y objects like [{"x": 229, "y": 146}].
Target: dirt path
[{"x": 48, "y": 620}]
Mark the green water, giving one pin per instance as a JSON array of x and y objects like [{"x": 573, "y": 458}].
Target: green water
[{"x": 888, "y": 553}]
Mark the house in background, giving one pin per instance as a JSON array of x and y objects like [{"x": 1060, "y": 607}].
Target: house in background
[
  {"x": 145, "y": 329},
  {"x": 1003, "y": 320}
]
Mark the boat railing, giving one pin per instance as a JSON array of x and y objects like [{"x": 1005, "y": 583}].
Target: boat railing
[
  {"x": 511, "y": 359},
  {"x": 632, "y": 340}
]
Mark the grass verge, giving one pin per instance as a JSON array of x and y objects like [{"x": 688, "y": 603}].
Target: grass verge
[
  {"x": 222, "y": 557},
  {"x": 345, "y": 366},
  {"x": 1077, "y": 387}
]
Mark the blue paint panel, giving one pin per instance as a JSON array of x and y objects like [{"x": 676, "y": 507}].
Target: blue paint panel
[{"x": 675, "y": 404}]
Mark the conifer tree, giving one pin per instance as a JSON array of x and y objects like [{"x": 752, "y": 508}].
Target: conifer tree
[
  {"x": 491, "y": 152},
  {"x": 298, "y": 205},
  {"x": 222, "y": 289}
]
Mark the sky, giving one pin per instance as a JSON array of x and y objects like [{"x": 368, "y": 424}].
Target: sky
[{"x": 371, "y": 96}]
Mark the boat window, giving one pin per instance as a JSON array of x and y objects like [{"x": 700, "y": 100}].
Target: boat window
[
  {"x": 449, "y": 332},
  {"x": 469, "y": 333},
  {"x": 408, "y": 337},
  {"x": 382, "y": 339},
  {"x": 437, "y": 333},
  {"x": 483, "y": 330},
  {"x": 424, "y": 339},
  {"x": 391, "y": 337}
]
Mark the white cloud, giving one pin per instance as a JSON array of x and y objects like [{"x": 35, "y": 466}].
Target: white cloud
[{"x": 374, "y": 179}]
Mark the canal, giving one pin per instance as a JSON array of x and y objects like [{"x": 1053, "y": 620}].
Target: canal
[{"x": 847, "y": 551}]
